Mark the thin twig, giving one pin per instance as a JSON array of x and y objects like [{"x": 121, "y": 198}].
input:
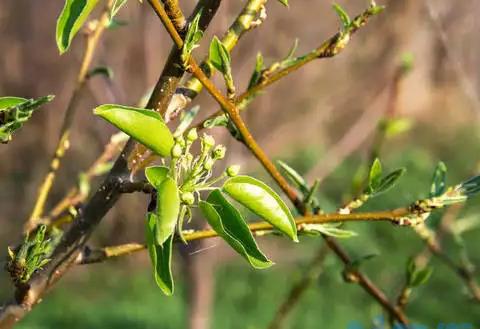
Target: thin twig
[{"x": 63, "y": 144}]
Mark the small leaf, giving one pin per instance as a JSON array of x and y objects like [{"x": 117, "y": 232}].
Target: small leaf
[
  {"x": 71, "y": 19},
  {"x": 219, "y": 121},
  {"x": 343, "y": 16},
  {"x": 227, "y": 221},
  {"x": 469, "y": 187},
  {"x": 360, "y": 260},
  {"x": 15, "y": 111},
  {"x": 161, "y": 257},
  {"x": 101, "y": 70},
  {"x": 117, "y": 5},
  {"x": 145, "y": 126},
  {"x": 9, "y": 101},
  {"x": 168, "y": 208},
  {"x": 327, "y": 229},
  {"x": 83, "y": 184},
  {"x": 257, "y": 72},
  {"x": 375, "y": 175},
  {"x": 396, "y": 126},
  {"x": 421, "y": 277},
  {"x": 284, "y": 2},
  {"x": 388, "y": 182},
  {"x": 295, "y": 177},
  {"x": 192, "y": 37},
  {"x": 156, "y": 175},
  {"x": 263, "y": 201},
  {"x": 219, "y": 56},
  {"x": 438, "y": 180}
]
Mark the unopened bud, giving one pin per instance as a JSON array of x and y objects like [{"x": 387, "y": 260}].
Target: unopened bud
[
  {"x": 219, "y": 152},
  {"x": 177, "y": 151},
  {"x": 180, "y": 140},
  {"x": 233, "y": 170},
  {"x": 208, "y": 165},
  {"x": 187, "y": 198},
  {"x": 207, "y": 142},
  {"x": 192, "y": 135}
]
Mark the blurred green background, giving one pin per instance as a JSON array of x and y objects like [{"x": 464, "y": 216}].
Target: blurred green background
[{"x": 324, "y": 130}]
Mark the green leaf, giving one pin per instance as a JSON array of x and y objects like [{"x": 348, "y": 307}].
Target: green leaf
[
  {"x": 227, "y": 221},
  {"x": 9, "y": 101},
  {"x": 470, "y": 187},
  {"x": 375, "y": 176},
  {"x": 396, "y": 126},
  {"x": 161, "y": 257},
  {"x": 219, "y": 121},
  {"x": 219, "y": 56},
  {"x": 156, "y": 175},
  {"x": 145, "y": 126},
  {"x": 257, "y": 72},
  {"x": 117, "y": 5},
  {"x": 438, "y": 180},
  {"x": 343, "y": 16},
  {"x": 263, "y": 201},
  {"x": 284, "y": 2},
  {"x": 71, "y": 19},
  {"x": 192, "y": 37},
  {"x": 328, "y": 229},
  {"x": 168, "y": 208},
  {"x": 15, "y": 111},
  {"x": 295, "y": 177},
  {"x": 390, "y": 180}
]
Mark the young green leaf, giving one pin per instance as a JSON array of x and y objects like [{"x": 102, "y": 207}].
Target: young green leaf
[
  {"x": 145, "y": 126},
  {"x": 227, "y": 221},
  {"x": 192, "y": 37},
  {"x": 71, "y": 19},
  {"x": 257, "y": 72},
  {"x": 219, "y": 56},
  {"x": 15, "y": 111},
  {"x": 263, "y": 201},
  {"x": 295, "y": 177},
  {"x": 438, "y": 180},
  {"x": 343, "y": 16},
  {"x": 284, "y": 2},
  {"x": 390, "y": 180},
  {"x": 375, "y": 175},
  {"x": 168, "y": 208},
  {"x": 156, "y": 175},
  {"x": 9, "y": 101},
  {"x": 161, "y": 257},
  {"x": 117, "y": 5}
]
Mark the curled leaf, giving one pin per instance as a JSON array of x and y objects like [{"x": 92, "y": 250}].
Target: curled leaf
[
  {"x": 168, "y": 208},
  {"x": 160, "y": 256},
  {"x": 156, "y": 175},
  {"x": 71, "y": 19},
  {"x": 343, "y": 16},
  {"x": 227, "y": 221},
  {"x": 327, "y": 229},
  {"x": 438, "y": 180},
  {"x": 263, "y": 201},
  {"x": 295, "y": 177},
  {"x": 145, "y": 126}
]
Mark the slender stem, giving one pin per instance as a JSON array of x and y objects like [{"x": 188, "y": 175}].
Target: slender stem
[
  {"x": 260, "y": 228},
  {"x": 63, "y": 144},
  {"x": 250, "y": 142},
  {"x": 329, "y": 48}
]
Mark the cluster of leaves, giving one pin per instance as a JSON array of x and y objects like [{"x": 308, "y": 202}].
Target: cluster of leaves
[
  {"x": 33, "y": 254},
  {"x": 179, "y": 184},
  {"x": 15, "y": 111}
]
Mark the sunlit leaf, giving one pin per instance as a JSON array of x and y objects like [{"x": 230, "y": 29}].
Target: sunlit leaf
[
  {"x": 263, "y": 201},
  {"x": 71, "y": 19},
  {"x": 343, "y": 15},
  {"x": 160, "y": 256},
  {"x": 168, "y": 208},
  {"x": 156, "y": 175},
  {"x": 227, "y": 221},
  {"x": 145, "y": 126}
]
